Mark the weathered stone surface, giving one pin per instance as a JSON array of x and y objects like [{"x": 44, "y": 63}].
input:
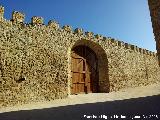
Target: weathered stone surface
[
  {"x": 154, "y": 6},
  {"x": 35, "y": 62},
  {"x": 37, "y": 20},
  {"x": 18, "y": 17},
  {"x": 67, "y": 28},
  {"x": 79, "y": 31},
  {"x": 89, "y": 34},
  {"x": 53, "y": 24},
  {"x": 1, "y": 12},
  {"x": 98, "y": 36}
]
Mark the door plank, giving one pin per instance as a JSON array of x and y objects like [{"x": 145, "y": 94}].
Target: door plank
[{"x": 84, "y": 70}]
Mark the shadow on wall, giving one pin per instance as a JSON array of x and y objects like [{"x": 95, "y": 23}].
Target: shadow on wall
[{"x": 143, "y": 107}]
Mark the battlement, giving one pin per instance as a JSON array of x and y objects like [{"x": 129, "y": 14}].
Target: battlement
[
  {"x": 18, "y": 17},
  {"x": 37, "y": 20},
  {"x": 53, "y": 25},
  {"x": 1, "y": 12},
  {"x": 79, "y": 31}
]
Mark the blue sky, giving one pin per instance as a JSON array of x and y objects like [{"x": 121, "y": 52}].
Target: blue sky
[{"x": 126, "y": 20}]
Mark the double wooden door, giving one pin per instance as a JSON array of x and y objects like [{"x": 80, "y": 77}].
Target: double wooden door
[{"x": 84, "y": 70}]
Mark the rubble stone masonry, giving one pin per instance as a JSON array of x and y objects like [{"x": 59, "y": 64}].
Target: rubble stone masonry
[{"x": 35, "y": 60}]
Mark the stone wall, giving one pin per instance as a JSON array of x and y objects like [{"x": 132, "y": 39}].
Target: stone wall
[
  {"x": 154, "y": 7},
  {"x": 35, "y": 61}
]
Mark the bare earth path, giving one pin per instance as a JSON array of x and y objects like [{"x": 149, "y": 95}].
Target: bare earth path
[{"x": 142, "y": 102}]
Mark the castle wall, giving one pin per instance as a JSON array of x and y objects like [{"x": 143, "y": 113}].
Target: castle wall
[{"x": 35, "y": 61}]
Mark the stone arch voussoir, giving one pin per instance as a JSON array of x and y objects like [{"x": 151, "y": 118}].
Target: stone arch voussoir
[{"x": 104, "y": 85}]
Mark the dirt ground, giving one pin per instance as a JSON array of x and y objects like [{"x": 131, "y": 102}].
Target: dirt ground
[{"x": 133, "y": 103}]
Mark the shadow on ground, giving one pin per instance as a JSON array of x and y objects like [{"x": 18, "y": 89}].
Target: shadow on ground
[{"x": 144, "y": 107}]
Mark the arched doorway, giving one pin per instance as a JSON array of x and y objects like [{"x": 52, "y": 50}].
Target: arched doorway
[{"x": 84, "y": 69}]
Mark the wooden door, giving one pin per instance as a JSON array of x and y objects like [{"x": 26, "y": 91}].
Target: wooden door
[{"x": 84, "y": 70}]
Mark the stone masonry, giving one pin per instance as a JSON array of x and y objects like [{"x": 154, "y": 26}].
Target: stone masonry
[
  {"x": 154, "y": 6},
  {"x": 35, "y": 60}
]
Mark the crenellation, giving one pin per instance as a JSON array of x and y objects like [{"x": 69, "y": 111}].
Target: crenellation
[
  {"x": 127, "y": 45},
  {"x": 98, "y": 36},
  {"x": 79, "y": 31},
  {"x": 150, "y": 53},
  {"x": 136, "y": 49},
  {"x": 35, "y": 20},
  {"x": 121, "y": 43},
  {"x": 53, "y": 25},
  {"x": 89, "y": 34},
  {"x": 155, "y": 54},
  {"x": 109, "y": 37},
  {"x": 114, "y": 42},
  {"x": 105, "y": 38},
  {"x": 67, "y": 28},
  {"x": 140, "y": 50},
  {"x": 133, "y": 47},
  {"x": 147, "y": 52},
  {"x": 1, "y": 12},
  {"x": 18, "y": 17},
  {"x": 144, "y": 51}
]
